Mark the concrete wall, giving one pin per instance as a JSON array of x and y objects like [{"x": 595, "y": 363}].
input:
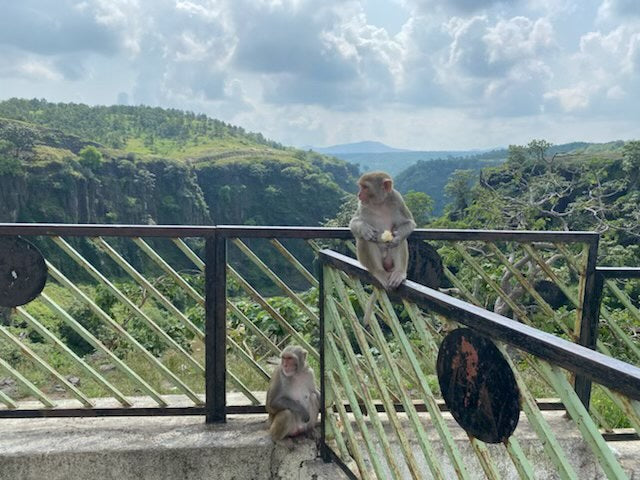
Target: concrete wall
[{"x": 176, "y": 448}]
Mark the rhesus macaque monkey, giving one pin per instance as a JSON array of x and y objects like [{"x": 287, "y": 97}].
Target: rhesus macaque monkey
[
  {"x": 293, "y": 401},
  {"x": 381, "y": 226}
]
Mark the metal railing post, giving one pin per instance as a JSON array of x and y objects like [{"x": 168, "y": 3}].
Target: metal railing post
[
  {"x": 591, "y": 297},
  {"x": 215, "y": 328},
  {"x": 324, "y": 450}
]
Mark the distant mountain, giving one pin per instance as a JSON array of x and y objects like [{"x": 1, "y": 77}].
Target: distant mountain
[
  {"x": 358, "y": 147},
  {"x": 396, "y": 162},
  {"x": 371, "y": 155}
]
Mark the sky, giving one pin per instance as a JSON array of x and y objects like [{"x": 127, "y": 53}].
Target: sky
[{"x": 414, "y": 74}]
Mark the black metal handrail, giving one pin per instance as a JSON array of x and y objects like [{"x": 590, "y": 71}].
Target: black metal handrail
[{"x": 228, "y": 231}]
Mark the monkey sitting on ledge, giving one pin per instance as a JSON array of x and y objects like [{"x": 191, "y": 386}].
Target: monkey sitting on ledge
[{"x": 293, "y": 401}]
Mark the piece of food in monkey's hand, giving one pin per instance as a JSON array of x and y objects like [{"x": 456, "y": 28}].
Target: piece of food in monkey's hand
[{"x": 386, "y": 236}]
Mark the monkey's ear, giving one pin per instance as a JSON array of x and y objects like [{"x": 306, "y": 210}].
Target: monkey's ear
[
  {"x": 387, "y": 184},
  {"x": 303, "y": 356}
]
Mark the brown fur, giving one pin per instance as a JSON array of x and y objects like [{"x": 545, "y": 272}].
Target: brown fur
[
  {"x": 381, "y": 208},
  {"x": 293, "y": 402}
]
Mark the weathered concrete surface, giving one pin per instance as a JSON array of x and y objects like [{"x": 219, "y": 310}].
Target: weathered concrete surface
[
  {"x": 185, "y": 448},
  {"x": 575, "y": 448},
  {"x": 152, "y": 448}
]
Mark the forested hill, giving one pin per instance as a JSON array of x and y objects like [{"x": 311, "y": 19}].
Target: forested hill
[
  {"x": 596, "y": 187},
  {"x": 149, "y": 130},
  {"x": 74, "y": 163},
  {"x": 431, "y": 177}
]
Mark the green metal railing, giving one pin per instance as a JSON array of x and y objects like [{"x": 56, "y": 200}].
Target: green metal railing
[
  {"x": 106, "y": 336},
  {"x": 186, "y": 320},
  {"x": 616, "y": 340},
  {"x": 384, "y": 415}
]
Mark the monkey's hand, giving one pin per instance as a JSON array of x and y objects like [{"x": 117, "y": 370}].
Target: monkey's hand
[
  {"x": 369, "y": 233},
  {"x": 396, "y": 240},
  {"x": 305, "y": 417}
]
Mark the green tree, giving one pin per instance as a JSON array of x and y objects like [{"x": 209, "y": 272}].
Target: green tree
[
  {"x": 458, "y": 189},
  {"x": 345, "y": 213},
  {"x": 631, "y": 160},
  {"x": 538, "y": 149},
  {"x": 20, "y": 137},
  {"x": 420, "y": 205},
  {"x": 90, "y": 157},
  {"x": 517, "y": 154}
]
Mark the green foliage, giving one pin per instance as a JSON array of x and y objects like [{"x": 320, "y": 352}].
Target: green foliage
[
  {"x": 10, "y": 165},
  {"x": 269, "y": 191},
  {"x": 90, "y": 157},
  {"x": 432, "y": 176},
  {"x": 345, "y": 213},
  {"x": 458, "y": 189},
  {"x": 155, "y": 130},
  {"x": 288, "y": 309},
  {"x": 538, "y": 189},
  {"x": 18, "y": 136},
  {"x": 420, "y": 205},
  {"x": 215, "y": 173}
]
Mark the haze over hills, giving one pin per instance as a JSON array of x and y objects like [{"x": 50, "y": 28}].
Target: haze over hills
[
  {"x": 358, "y": 147},
  {"x": 370, "y": 155}
]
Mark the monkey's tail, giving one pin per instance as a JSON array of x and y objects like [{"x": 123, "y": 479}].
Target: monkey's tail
[{"x": 368, "y": 309}]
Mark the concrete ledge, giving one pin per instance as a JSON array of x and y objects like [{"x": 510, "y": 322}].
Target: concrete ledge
[
  {"x": 185, "y": 448},
  {"x": 152, "y": 448}
]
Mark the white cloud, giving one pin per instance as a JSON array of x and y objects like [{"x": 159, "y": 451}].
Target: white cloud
[
  {"x": 612, "y": 9},
  {"x": 316, "y": 72},
  {"x": 572, "y": 99},
  {"x": 427, "y": 7},
  {"x": 518, "y": 38},
  {"x": 603, "y": 74},
  {"x": 35, "y": 70}
]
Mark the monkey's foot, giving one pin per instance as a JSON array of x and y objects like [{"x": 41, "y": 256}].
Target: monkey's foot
[
  {"x": 287, "y": 443},
  {"x": 396, "y": 278}
]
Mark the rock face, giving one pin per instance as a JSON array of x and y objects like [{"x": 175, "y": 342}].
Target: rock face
[
  {"x": 47, "y": 176},
  {"x": 43, "y": 179}
]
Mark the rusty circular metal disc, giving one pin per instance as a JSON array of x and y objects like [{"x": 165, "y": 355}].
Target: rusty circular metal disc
[
  {"x": 478, "y": 386},
  {"x": 23, "y": 272}
]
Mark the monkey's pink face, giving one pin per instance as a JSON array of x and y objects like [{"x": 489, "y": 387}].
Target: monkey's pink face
[
  {"x": 372, "y": 192},
  {"x": 289, "y": 365},
  {"x": 364, "y": 193}
]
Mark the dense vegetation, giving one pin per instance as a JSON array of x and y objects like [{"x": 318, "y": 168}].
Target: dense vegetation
[
  {"x": 140, "y": 129},
  {"x": 75, "y": 163},
  {"x": 594, "y": 188},
  {"x": 432, "y": 176}
]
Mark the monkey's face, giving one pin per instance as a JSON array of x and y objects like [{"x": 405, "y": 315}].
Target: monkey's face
[
  {"x": 364, "y": 192},
  {"x": 289, "y": 364},
  {"x": 373, "y": 188}
]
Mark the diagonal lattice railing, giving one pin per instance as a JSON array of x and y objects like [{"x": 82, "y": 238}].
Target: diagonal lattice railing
[
  {"x": 384, "y": 416},
  {"x": 113, "y": 332},
  {"x": 143, "y": 302},
  {"x": 619, "y": 331}
]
